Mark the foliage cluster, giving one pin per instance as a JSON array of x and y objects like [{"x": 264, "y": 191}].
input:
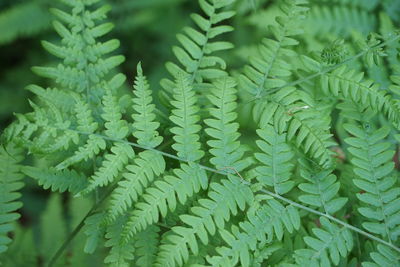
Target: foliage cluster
[{"x": 271, "y": 138}]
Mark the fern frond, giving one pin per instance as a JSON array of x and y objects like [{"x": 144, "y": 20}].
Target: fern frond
[
  {"x": 347, "y": 83},
  {"x": 145, "y": 128},
  {"x": 94, "y": 229},
  {"x": 321, "y": 189},
  {"x": 271, "y": 219},
  {"x": 63, "y": 100},
  {"x": 288, "y": 111},
  {"x": 210, "y": 215},
  {"x": 111, "y": 167},
  {"x": 146, "y": 246},
  {"x": 10, "y": 183},
  {"x": 185, "y": 117},
  {"x": 271, "y": 69},
  {"x": 196, "y": 55},
  {"x": 116, "y": 128},
  {"x": 163, "y": 196},
  {"x": 311, "y": 131},
  {"x": 94, "y": 145},
  {"x": 329, "y": 245},
  {"x": 351, "y": 111},
  {"x": 383, "y": 257},
  {"x": 373, "y": 164},
  {"x": 61, "y": 181},
  {"x": 225, "y": 146},
  {"x": 121, "y": 252},
  {"x": 47, "y": 129},
  {"x": 147, "y": 165},
  {"x": 42, "y": 130},
  {"x": 276, "y": 168},
  {"x": 84, "y": 118},
  {"x": 85, "y": 64}
]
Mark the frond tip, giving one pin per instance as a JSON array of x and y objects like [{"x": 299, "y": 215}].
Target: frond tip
[
  {"x": 223, "y": 128},
  {"x": 145, "y": 126},
  {"x": 185, "y": 117},
  {"x": 196, "y": 54}
]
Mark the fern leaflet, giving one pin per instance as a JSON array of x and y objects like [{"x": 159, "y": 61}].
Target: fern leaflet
[
  {"x": 372, "y": 161},
  {"x": 330, "y": 244},
  {"x": 276, "y": 168},
  {"x": 10, "y": 181}
]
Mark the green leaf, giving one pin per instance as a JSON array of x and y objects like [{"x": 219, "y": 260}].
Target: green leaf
[{"x": 10, "y": 181}]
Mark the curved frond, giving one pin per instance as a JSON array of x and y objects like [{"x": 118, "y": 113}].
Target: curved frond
[
  {"x": 85, "y": 64},
  {"x": 147, "y": 165}
]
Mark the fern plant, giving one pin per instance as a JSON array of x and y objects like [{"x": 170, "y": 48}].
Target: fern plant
[{"x": 228, "y": 163}]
